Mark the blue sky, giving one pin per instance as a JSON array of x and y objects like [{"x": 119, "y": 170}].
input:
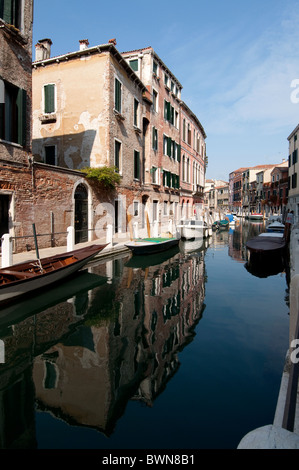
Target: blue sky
[{"x": 238, "y": 62}]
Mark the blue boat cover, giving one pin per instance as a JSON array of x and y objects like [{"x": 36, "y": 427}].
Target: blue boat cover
[{"x": 230, "y": 217}]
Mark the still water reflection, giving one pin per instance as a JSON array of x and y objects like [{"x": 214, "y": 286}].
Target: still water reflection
[{"x": 180, "y": 350}]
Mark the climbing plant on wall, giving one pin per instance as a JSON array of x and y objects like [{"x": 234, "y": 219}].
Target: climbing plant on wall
[{"x": 106, "y": 176}]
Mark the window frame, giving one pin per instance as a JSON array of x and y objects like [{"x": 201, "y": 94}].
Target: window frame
[{"x": 15, "y": 17}]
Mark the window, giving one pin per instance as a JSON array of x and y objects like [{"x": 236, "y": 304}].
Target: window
[
  {"x": 10, "y": 12},
  {"x": 155, "y": 139},
  {"x": 155, "y": 101},
  {"x": 294, "y": 180},
  {"x": 136, "y": 165},
  {"x": 134, "y": 64},
  {"x": 155, "y": 175},
  {"x": 295, "y": 156},
  {"x": 117, "y": 155},
  {"x": 155, "y": 67},
  {"x": 165, "y": 141},
  {"x": 166, "y": 79},
  {"x": 168, "y": 112},
  {"x": 136, "y": 208},
  {"x": 117, "y": 95},
  {"x": 136, "y": 113},
  {"x": 13, "y": 117},
  {"x": 49, "y": 99},
  {"x": 50, "y": 155},
  {"x": 184, "y": 130},
  {"x": 189, "y": 134}
]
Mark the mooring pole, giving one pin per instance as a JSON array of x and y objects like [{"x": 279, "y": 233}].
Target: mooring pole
[
  {"x": 35, "y": 241},
  {"x": 36, "y": 248}
]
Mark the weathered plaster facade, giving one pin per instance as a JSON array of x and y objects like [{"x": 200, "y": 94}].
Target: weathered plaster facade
[{"x": 85, "y": 128}]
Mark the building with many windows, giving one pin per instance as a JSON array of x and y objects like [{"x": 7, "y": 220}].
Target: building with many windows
[
  {"x": 162, "y": 145},
  {"x": 193, "y": 157}
]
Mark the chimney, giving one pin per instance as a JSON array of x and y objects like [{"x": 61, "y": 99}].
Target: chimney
[
  {"x": 84, "y": 43},
  {"x": 112, "y": 41},
  {"x": 43, "y": 49}
]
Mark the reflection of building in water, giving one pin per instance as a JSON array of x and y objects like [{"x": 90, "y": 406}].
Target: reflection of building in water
[
  {"x": 128, "y": 346},
  {"x": 174, "y": 302},
  {"x": 23, "y": 341},
  {"x": 239, "y": 236}
]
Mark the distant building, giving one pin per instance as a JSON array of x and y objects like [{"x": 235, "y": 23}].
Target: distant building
[
  {"x": 236, "y": 190},
  {"x": 216, "y": 195},
  {"x": 193, "y": 155},
  {"x": 293, "y": 199}
]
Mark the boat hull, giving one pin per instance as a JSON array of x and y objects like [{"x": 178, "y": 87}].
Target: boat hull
[
  {"x": 19, "y": 288},
  {"x": 266, "y": 243},
  {"x": 255, "y": 217},
  {"x": 148, "y": 247},
  {"x": 192, "y": 229},
  {"x": 276, "y": 227}
]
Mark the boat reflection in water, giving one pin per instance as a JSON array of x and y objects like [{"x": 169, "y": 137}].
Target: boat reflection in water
[{"x": 83, "y": 358}]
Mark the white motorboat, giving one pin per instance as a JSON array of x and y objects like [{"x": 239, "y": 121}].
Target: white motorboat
[{"x": 191, "y": 229}]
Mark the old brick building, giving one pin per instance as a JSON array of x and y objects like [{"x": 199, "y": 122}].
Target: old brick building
[{"x": 16, "y": 20}]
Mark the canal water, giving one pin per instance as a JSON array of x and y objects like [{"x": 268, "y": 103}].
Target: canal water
[{"x": 183, "y": 350}]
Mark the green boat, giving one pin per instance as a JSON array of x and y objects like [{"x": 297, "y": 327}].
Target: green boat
[{"x": 222, "y": 224}]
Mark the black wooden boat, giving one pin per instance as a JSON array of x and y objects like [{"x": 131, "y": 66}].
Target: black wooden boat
[
  {"x": 266, "y": 243},
  {"x": 22, "y": 279}
]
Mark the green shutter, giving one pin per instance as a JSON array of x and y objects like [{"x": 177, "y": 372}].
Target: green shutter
[
  {"x": 168, "y": 111},
  {"x": 21, "y": 113},
  {"x": 6, "y": 10},
  {"x": 117, "y": 95},
  {"x": 136, "y": 165},
  {"x": 169, "y": 144},
  {"x": 179, "y": 152},
  {"x": 134, "y": 65},
  {"x": 49, "y": 98}
]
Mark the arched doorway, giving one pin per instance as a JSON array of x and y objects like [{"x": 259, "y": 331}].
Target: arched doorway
[
  {"x": 4, "y": 214},
  {"x": 81, "y": 214}
]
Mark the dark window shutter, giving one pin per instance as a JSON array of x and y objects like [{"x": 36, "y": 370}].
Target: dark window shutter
[
  {"x": 136, "y": 164},
  {"x": 117, "y": 95},
  {"x": 179, "y": 152},
  {"x": 49, "y": 98},
  {"x": 134, "y": 65},
  {"x": 6, "y": 10}
]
